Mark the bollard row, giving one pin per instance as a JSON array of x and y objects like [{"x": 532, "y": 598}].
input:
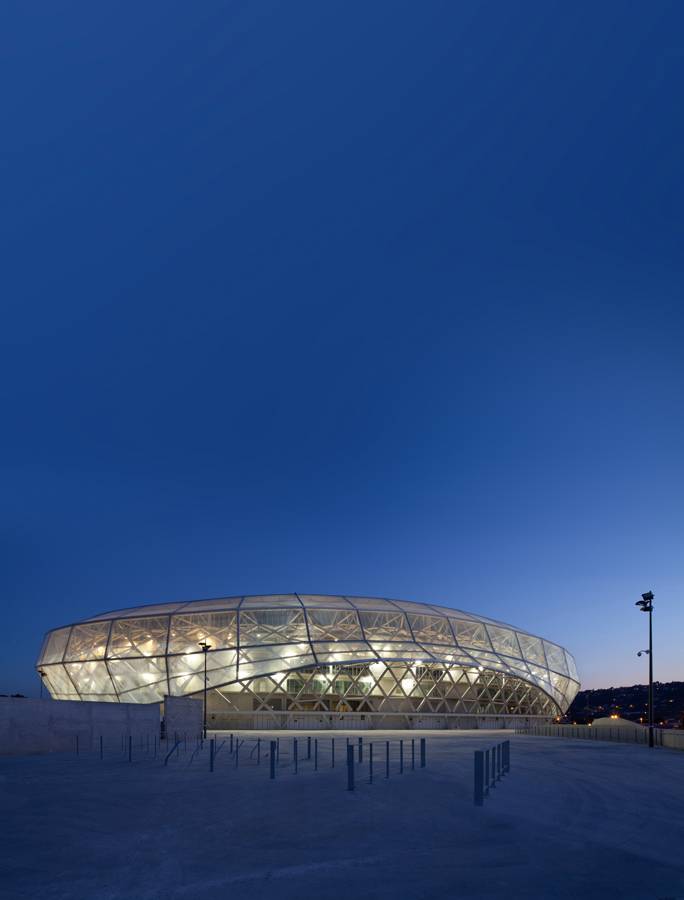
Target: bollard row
[{"x": 489, "y": 767}]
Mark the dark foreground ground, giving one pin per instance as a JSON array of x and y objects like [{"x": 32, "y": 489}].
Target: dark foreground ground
[{"x": 573, "y": 819}]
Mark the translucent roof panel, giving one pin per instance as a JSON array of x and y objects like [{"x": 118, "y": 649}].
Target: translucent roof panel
[
  {"x": 219, "y": 603},
  {"x": 272, "y": 600},
  {"x": 312, "y": 601},
  {"x": 371, "y": 603},
  {"x": 134, "y": 611}
]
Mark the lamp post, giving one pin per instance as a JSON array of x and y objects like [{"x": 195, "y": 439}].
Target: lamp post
[
  {"x": 646, "y": 605},
  {"x": 205, "y": 649}
]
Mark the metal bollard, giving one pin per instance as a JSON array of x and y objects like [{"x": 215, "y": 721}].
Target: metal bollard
[
  {"x": 332, "y": 753},
  {"x": 413, "y": 753},
  {"x": 231, "y": 745},
  {"x": 370, "y": 763},
  {"x": 479, "y": 791},
  {"x": 360, "y": 750},
  {"x": 387, "y": 759},
  {"x": 272, "y": 758},
  {"x": 316, "y": 755},
  {"x": 401, "y": 757},
  {"x": 498, "y": 762},
  {"x": 422, "y": 753},
  {"x": 486, "y": 765},
  {"x": 308, "y": 747},
  {"x": 296, "y": 767},
  {"x": 492, "y": 770},
  {"x": 350, "y": 768},
  {"x": 212, "y": 744},
  {"x": 259, "y": 751}
]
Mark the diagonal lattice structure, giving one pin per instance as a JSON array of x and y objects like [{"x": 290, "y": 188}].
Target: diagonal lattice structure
[{"x": 278, "y": 656}]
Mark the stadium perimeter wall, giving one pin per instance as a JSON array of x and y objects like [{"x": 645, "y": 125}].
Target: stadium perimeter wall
[{"x": 47, "y": 726}]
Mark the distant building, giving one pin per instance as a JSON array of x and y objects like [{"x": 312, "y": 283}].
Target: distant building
[{"x": 296, "y": 660}]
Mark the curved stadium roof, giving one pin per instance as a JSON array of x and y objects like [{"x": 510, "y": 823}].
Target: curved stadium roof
[{"x": 141, "y": 653}]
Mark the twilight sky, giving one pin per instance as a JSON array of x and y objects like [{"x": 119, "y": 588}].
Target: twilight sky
[{"x": 379, "y": 298}]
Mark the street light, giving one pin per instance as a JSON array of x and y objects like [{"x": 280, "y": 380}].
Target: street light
[
  {"x": 646, "y": 605},
  {"x": 205, "y": 649}
]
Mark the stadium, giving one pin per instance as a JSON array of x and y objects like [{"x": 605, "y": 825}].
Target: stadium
[{"x": 314, "y": 661}]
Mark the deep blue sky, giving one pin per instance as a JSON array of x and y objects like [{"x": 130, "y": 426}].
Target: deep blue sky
[{"x": 379, "y": 298}]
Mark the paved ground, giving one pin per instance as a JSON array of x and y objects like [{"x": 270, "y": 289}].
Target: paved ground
[{"x": 572, "y": 820}]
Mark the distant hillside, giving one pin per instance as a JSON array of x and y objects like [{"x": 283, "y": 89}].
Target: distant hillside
[{"x": 631, "y": 703}]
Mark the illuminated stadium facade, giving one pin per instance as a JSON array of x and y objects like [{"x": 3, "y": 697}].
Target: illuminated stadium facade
[{"x": 302, "y": 660}]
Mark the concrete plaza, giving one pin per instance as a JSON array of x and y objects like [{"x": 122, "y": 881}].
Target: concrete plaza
[{"x": 573, "y": 819}]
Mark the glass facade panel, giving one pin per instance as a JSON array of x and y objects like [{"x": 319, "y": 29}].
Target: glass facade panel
[
  {"x": 334, "y": 624},
  {"x": 128, "y": 674},
  {"x": 384, "y": 626},
  {"x": 55, "y": 646},
  {"x": 138, "y": 637},
  {"x": 249, "y": 667},
  {"x": 343, "y": 654},
  {"x": 532, "y": 648},
  {"x": 398, "y": 651},
  {"x": 58, "y": 682},
  {"x": 272, "y": 626},
  {"x": 555, "y": 658},
  {"x": 504, "y": 640},
  {"x": 151, "y": 693},
  {"x": 431, "y": 629},
  {"x": 218, "y": 629},
  {"x": 470, "y": 634},
  {"x": 91, "y": 677},
  {"x": 450, "y": 655},
  {"x": 221, "y": 666},
  {"x": 88, "y": 641}
]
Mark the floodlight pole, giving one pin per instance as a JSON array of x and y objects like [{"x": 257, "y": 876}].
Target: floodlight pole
[
  {"x": 650, "y": 675},
  {"x": 205, "y": 648},
  {"x": 646, "y": 605}
]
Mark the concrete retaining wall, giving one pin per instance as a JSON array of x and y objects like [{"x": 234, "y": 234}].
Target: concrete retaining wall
[
  {"x": 46, "y": 726},
  {"x": 183, "y": 717}
]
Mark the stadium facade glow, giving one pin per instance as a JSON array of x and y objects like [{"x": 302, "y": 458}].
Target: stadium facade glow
[{"x": 314, "y": 661}]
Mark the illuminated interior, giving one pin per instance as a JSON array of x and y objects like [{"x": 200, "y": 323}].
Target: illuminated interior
[{"x": 296, "y": 659}]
